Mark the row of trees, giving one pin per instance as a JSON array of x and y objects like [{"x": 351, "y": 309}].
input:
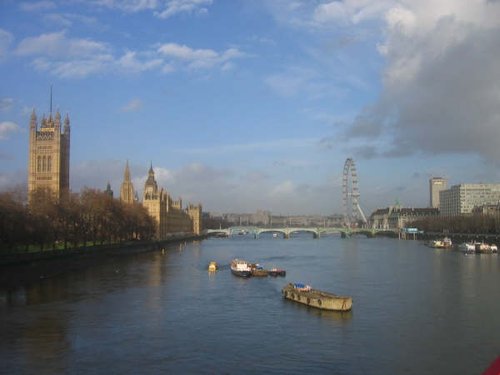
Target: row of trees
[
  {"x": 91, "y": 217},
  {"x": 474, "y": 224}
]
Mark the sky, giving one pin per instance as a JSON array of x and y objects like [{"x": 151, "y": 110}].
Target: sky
[{"x": 256, "y": 105}]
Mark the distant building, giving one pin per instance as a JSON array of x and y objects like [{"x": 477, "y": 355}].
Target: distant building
[
  {"x": 461, "y": 199},
  {"x": 436, "y": 184},
  {"x": 168, "y": 214},
  {"x": 48, "y": 163},
  {"x": 397, "y": 217},
  {"x": 127, "y": 193},
  {"x": 108, "y": 190},
  {"x": 487, "y": 210}
]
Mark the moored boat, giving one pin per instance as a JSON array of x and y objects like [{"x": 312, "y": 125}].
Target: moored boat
[
  {"x": 316, "y": 298},
  {"x": 445, "y": 243},
  {"x": 241, "y": 268},
  {"x": 277, "y": 272},
  {"x": 482, "y": 247},
  {"x": 467, "y": 247}
]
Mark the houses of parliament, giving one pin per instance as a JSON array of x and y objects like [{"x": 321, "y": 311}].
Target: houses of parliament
[{"x": 48, "y": 169}]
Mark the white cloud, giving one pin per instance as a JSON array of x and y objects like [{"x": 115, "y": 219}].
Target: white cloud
[
  {"x": 6, "y": 104},
  {"x": 133, "y": 106},
  {"x": 439, "y": 94},
  {"x": 174, "y": 7},
  {"x": 74, "y": 68},
  {"x": 130, "y": 62},
  {"x": 68, "y": 57},
  {"x": 317, "y": 15},
  {"x": 37, "y": 6},
  {"x": 57, "y": 45},
  {"x": 160, "y": 8},
  {"x": 7, "y": 128},
  {"x": 198, "y": 58},
  {"x": 6, "y": 39},
  {"x": 128, "y": 5},
  {"x": 350, "y": 11}
]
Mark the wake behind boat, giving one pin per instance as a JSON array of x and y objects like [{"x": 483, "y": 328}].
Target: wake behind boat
[{"x": 241, "y": 268}]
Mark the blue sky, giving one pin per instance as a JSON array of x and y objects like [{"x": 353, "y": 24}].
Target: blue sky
[{"x": 246, "y": 105}]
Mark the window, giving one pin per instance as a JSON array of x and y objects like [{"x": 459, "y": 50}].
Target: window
[
  {"x": 44, "y": 165},
  {"x": 39, "y": 164},
  {"x": 49, "y": 163}
]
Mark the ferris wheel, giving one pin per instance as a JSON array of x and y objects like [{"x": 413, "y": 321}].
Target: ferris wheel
[{"x": 352, "y": 209}]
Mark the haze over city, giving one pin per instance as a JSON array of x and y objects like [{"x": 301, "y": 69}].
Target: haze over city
[{"x": 256, "y": 105}]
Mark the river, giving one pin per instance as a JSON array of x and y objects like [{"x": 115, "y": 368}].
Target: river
[{"x": 416, "y": 310}]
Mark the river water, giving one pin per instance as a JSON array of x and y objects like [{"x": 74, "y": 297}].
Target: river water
[{"x": 416, "y": 310}]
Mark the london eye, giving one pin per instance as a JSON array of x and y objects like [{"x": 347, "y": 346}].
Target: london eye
[{"x": 352, "y": 210}]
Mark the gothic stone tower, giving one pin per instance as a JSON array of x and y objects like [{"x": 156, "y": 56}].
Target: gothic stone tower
[
  {"x": 195, "y": 214},
  {"x": 49, "y": 147},
  {"x": 127, "y": 194},
  {"x": 155, "y": 202}
]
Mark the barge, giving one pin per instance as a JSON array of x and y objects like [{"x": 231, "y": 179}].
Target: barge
[
  {"x": 258, "y": 270},
  {"x": 277, "y": 272},
  {"x": 316, "y": 298}
]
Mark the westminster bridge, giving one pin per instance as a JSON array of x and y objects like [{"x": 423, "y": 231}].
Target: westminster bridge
[{"x": 286, "y": 232}]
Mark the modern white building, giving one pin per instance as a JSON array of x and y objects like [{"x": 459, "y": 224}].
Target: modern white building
[
  {"x": 461, "y": 199},
  {"x": 436, "y": 185}
]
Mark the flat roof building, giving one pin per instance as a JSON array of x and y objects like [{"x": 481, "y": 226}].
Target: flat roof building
[
  {"x": 461, "y": 199},
  {"x": 436, "y": 185}
]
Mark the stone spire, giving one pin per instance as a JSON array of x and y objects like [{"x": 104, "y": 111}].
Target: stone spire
[
  {"x": 33, "y": 120},
  {"x": 151, "y": 177},
  {"x": 127, "y": 193},
  {"x": 66, "y": 124},
  {"x": 57, "y": 121},
  {"x": 126, "y": 175}
]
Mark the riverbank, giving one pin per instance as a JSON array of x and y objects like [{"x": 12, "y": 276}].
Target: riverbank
[{"x": 20, "y": 269}]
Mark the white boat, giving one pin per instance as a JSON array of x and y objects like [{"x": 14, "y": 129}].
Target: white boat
[
  {"x": 467, "y": 247},
  {"x": 241, "y": 268},
  {"x": 482, "y": 247}
]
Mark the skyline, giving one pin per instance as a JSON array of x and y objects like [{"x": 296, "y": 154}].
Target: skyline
[{"x": 244, "y": 106}]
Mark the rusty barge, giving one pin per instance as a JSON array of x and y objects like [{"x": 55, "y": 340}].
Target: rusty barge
[{"x": 316, "y": 298}]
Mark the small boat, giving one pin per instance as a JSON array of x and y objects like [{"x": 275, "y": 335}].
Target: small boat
[
  {"x": 316, "y": 298},
  {"x": 241, "y": 268},
  {"x": 482, "y": 247},
  {"x": 212, "y": 266},
  {"x": 258, "y": 270},
  {"x": 467, "y": 247},
  {"x": 277, "y": 272},
  {"x": 445, "y": 243}
]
